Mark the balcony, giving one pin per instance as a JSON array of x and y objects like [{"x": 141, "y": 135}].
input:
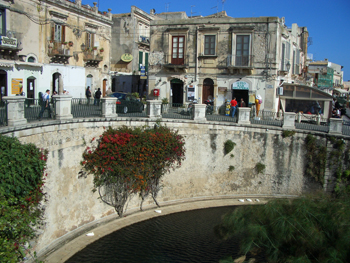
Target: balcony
[
  {"x": 59, "y": 53},
  {"x": 238, "y": 64},
  {"x": 9, "y": 48},
  {"x": 176, "y": 64},
  {"x": 91, "y": 58},
  {"x": 144, "y": 40}
]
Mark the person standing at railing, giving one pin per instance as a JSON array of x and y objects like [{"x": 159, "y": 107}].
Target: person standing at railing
[
  {"x": 233, "y": 106},
  {"x": 88, "y": 94},
  {"x": 97, "y": 97},
  {"x": 242, "y": 103},
  {"x": 45, "y": 104}
]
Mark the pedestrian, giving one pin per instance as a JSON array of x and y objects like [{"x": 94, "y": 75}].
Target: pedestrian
[
  {"x": 233, "y": 106},
  {"x": 88, "y": 94},
  {"x": 242, "y": 103},
  {"x": 109, "y": 91},
  {"x": 97, "y": 97},
  {"x": 45, "y": 104}
]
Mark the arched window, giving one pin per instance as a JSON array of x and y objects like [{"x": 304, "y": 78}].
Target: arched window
[{"x": 31, "y": 59}]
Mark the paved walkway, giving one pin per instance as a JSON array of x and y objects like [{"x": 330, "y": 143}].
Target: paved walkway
[{"x": 69, "y": 249}]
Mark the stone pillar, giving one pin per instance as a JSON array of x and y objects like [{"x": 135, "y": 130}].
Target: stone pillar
[
  {"x": 154, "y": 109},
  {"x": 15, "y": 110},
  {"x": 199, "y": 112},
  {"x": 289, "y": 120},
  {"x": 299, "y": 117},
  {"x": 63, "y": 107},
  {"x": 243, "y": 115},
  {"x": 335, "y": 126},
  {"x": 60, "y": 85},
  {"x": 109, "y": 107},
  {"x": 318, "y": 119}
]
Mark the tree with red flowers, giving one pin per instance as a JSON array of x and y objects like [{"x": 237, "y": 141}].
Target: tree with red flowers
[{"x": 127, "y": 161}]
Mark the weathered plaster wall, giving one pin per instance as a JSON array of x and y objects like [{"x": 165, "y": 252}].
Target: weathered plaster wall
[{"x": 204, "y": 174}]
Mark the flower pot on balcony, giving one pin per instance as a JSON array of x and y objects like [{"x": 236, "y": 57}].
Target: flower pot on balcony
[{"x": 70, "y": 43}]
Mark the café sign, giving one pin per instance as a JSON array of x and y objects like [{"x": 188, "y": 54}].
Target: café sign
[
  {"x": 240, "y": 85},
  {"x": 8, "y": 42},
  {"x": 126, "y": 57}
]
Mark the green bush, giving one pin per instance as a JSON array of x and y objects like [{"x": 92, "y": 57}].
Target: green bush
[
  {"x": 287, "y": 133},
  {"x": 22, "y": 176},
  {"x": 308, "y": 229},
  {"x": 260, "y": 167},
  {"x": 229, "y": 146}
]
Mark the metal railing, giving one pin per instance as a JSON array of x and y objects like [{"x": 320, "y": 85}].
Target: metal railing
[
  {"x": 238, "y": 61},
  {"x": 32, "y": 108},
  {"x": 311, "y": 122},
  {"x": 85, "y": 108},
  {"x": 3, "y": 113},
  {"x": 177, "y": 111},
  {"x": 176, "y": 62},
  {"x": 266, "y": 118},
  {"x": 346, "y": 128}
]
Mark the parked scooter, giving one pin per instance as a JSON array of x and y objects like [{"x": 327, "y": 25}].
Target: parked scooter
[
  {"x": 210, "y": 106},
  {"x": 190, "y": 107}
]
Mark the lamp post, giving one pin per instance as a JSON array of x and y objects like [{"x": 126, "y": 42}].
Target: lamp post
[{"x": 288, "y": 66}]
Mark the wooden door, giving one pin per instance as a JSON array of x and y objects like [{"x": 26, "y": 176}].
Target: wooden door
[
  {"x": 104, "y": 87},
  {"x": 30, "y": 88}
]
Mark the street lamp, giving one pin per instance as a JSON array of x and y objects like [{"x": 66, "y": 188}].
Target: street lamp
[{"x": 288, "y": 66}]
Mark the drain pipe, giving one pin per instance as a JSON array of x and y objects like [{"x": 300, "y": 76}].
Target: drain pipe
[{"x": 196, "y": 69}]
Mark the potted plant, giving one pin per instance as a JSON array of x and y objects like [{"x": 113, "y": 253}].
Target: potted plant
[
  {"x": 94, "y": 48},
  {"x": 101, "y": 50},
  {"x": 165, "y": 104},
  {"x": 70, "y": 43}
]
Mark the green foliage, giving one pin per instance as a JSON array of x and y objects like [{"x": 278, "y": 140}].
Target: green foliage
[
  {"x": 288, "y": 133},
  {"x": 165, "y": 101},
  {"x": 132, "y": 161},
  {"x": 136, "y": 94},
  {"x": 316, "y": 158},
  {"x": 21, "y": 181},
  {"x": 231, "y": 168},
  {"x": 231, "y": 155},
  {"x": 260, "y": 167},
  {"x": 229, "y": 146},
  {"x": 308, "y": 229}
]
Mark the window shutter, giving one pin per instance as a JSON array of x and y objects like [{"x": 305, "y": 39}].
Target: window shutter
[
  {"x": 87, "y": 44},
  {"x": 283, "y": 67},
  {"x": 52, "y": 32},
  {"x": 140, "y": 59},
  {"x": 146, "y": 62},
  {"x": 63, "y": 33},
  {"x": 93, "y": 40}
]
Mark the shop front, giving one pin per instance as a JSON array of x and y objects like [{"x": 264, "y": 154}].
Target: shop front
[{"x": 306, "y": 100}]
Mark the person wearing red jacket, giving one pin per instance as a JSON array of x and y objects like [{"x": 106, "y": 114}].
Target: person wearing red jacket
[{"x": 233, "y": 106}]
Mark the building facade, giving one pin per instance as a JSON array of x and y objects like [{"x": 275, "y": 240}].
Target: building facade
[
  {"x": 219, "y": 57},
  {"x": 58, "y": 42},
  {"x": 130, "y": 50}
]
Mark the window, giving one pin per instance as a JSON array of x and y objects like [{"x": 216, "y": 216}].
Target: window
[
  {"x": 2, "y": 22},
  {"x": 177, "y": 56},
  {"x": 242, "y": 50},
  {"x": 209, "y": 45},
  {"x": 285, "y": 55},
  {"x": 143, "y": 60},
  {"x": 58, "y": 33},
  {"x": 89, "y": 40},
  {"x": 31, "y": 59}
]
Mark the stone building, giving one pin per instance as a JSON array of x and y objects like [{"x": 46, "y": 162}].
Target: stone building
[
  {"x": 221, "y": 57},
  {"x": 57, "y": 41},
  {"x": 130, "y": 50}
]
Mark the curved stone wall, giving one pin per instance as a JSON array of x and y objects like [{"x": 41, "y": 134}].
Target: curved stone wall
[{"x": 72, "y": 207}]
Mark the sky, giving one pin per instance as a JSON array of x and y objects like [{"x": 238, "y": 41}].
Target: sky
[{"x": 328, "y": 22}]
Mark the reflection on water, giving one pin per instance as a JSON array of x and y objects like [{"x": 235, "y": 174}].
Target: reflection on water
[{"x": 181, "y": 237}]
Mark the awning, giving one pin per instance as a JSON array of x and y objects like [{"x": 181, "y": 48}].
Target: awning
[{"x": 343, "y": 91}]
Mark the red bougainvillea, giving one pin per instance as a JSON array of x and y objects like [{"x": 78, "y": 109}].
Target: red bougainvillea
[{"x": 128, "y": 161}]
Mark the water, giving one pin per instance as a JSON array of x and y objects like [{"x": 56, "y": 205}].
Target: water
[{"x": 180, "y": 237}]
